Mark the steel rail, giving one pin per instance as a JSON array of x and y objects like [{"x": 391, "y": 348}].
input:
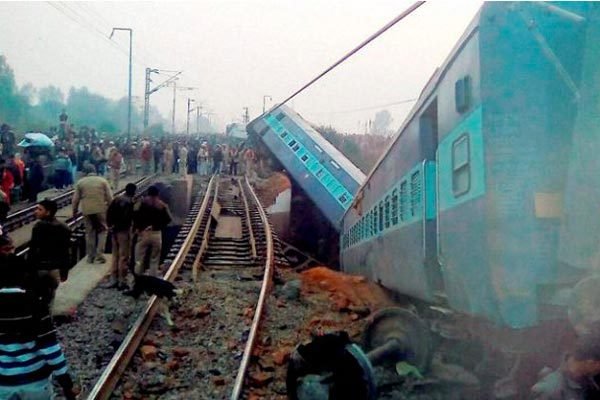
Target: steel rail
[
  {"x": 71, "y": 222},
  {"x": 205, "y": 234},
  {"x": 12, "y": 219},
  {"x": 247, "y": 208},
  {"x": 117, "y": 365},
  {"x": 241, "y": 375}
]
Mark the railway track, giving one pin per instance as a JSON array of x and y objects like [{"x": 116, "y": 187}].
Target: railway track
[
  {"x": 26, "y": 215},
  {"x": 216, "y": 321}
]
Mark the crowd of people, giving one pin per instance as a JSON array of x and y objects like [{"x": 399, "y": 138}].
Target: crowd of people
[{"x": 25, "y": 172}]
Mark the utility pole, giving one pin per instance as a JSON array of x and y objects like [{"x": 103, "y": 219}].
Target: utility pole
[
  {"x": 187, "y": 125},
  {"x": 130, "y": 62},
  {"x": 198, "y": 119},
  {"x": 266, "y": 96},
  {"x": 175, "y": 89},
  {"x": 149, "y": 91},
  {"x": 246, "y": 115}
]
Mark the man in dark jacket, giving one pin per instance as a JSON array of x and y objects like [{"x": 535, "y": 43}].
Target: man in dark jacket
[
  {"x": 49, "y": 246},
  {"x": 119, "y": 218},
  {"x": 149, "y": 219}
]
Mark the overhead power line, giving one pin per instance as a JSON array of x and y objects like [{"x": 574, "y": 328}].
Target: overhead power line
[
  {"x": 357, "y": 48},
  {"x": 366, "y": 108}
]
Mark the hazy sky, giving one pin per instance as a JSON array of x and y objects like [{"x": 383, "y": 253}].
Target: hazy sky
[{"x": 234, "y": 52}]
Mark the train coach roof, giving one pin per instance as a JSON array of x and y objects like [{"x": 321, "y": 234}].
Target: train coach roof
[
  {"x": 426, "y": 93},
  {"x": 327, "y": 147}
]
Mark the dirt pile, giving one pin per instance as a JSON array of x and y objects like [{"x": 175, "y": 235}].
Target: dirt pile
[
  {"x": 268, "y": 190},
  {"x": 346, "y": 292}
]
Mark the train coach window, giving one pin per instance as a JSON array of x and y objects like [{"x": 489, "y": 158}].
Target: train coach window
[
  {"x": 462, "y": 94},
  {"x": 296, "y": 147},
  {"x": 461, "y": 170},
  {"x": 375, "y": 220},
  {"x": 304, "y": 158},
  {"x": 320, "y": 173},
  {"x": 380, "y": 224},
  {"x": 280, "y": 116},
  {"x": 403, "y": 200},
  {"x": 343, "y": 199},
  {"x": 395, "y": 207},
  {"x": 283, "y": 134},
  {"x": 387, "y": 212},
  {"x": 292, "y": 143},
  {"x": 415, "y": 194}
]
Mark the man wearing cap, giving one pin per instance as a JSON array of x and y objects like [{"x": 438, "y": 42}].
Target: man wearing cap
[{"x": 94, "y": 194}]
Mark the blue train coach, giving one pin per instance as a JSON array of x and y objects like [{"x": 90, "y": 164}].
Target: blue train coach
[
  {"x": 322, "y": 171},
  {"x": 487, "y": 198}
]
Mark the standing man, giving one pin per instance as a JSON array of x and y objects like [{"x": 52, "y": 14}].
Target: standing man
[
  {"x": 94, "y": 194},
  {"x": 7, "y": 139},
  {"x": 150, "y": 218},
  {"x": 119, "y": 218},
  {"x": 29, "y": 349},
  {"x": 115, "y": 160},
  {"x": 49, "y": 247},
  {"x": 217, "y": 159},
  {"x": 183, "y": 159},
  {"x": 62, "y": 169}
]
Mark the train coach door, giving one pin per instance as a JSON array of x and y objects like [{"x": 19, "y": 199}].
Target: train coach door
[{"x": 428, "y": 138}]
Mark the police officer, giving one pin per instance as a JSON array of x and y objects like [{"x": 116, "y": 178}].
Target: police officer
[
  {"x": 150, "y": 217},
  {"x": 119, "y": 218}
]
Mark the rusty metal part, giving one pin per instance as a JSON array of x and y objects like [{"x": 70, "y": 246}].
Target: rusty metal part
[
  {"x": 239, "y": 380},
  {"x": 111, "y": 375}
]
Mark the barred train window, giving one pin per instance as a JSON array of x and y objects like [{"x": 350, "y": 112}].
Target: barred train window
[
  {"x": 380, "y": 228},
  {"x": 395, "y": 207},
  {"x": 387, "y": 212},
  {"x": 415, "y": 194},
  {"x": 369, "y": 224},
  {"x": 375, "y": 220},
  {"x": 403, "y": 201},
  {"x": 461, "y": 166}
]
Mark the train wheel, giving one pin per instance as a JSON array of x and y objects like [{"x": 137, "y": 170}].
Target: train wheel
[{"x": 403, "y": 328}]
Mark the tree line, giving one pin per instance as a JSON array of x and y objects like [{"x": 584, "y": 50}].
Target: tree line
[{"x": 29, "y": 109}]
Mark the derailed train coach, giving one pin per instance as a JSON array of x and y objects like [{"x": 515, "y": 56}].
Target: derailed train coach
[
  {"x": 487, "y": 198},
  {"x": 321, "y": 170}
]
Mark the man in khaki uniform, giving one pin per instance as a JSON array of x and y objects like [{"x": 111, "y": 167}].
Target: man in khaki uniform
[{"x": 94, "y": 194}]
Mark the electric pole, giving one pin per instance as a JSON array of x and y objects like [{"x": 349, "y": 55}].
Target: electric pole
[
  {"x": 149, "y": 91},
  {"x": 130, "y": 62},
  {"x": 246, "y": 115},
  {"x": 175, "y": 89},
  {"x": 198, "y": 119},
  {"x": 187, "y": 125},
  {"x": 266, "y": 96}
]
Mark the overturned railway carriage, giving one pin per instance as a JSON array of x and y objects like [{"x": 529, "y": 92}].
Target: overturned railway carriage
[
  {"x": 487, "y": 198},
  {"x": 321, "y": 170}
]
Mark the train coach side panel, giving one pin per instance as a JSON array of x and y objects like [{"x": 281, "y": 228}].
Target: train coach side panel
[
  {"x": 393, "y": 198},
  {"x": 528, "y": 119},
  {"x": 462, "y": 248}
]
